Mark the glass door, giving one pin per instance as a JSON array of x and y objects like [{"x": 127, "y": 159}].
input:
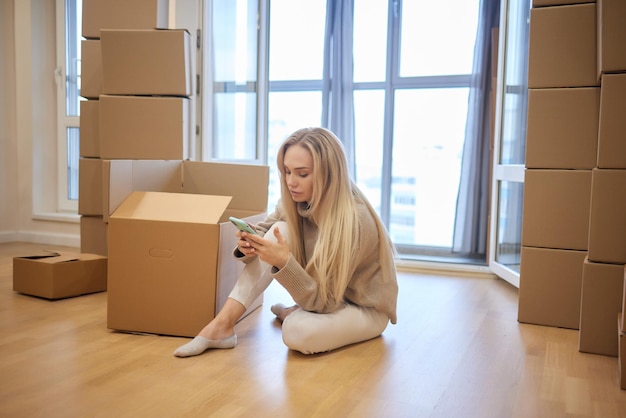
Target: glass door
[{"x": 510, "y": 141}]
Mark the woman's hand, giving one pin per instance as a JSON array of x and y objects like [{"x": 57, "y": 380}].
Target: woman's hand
[
  {"x": 243, "y": 245},
  {"x": 272, "y": 253}
]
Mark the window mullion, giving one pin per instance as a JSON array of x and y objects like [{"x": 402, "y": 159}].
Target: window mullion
[
  {"x": 393, "y": 59},
  {"x": 433, "y": 82}
]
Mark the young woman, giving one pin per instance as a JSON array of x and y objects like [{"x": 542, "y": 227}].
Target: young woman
[{"x": 325, "y": 245}]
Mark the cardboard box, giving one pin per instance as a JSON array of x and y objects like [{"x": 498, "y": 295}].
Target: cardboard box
[
  {"x": 611, "y": 36},
  {"x": 601, "y": 301},
  {"x": 624, "y": 296},
  {"x": 562, "y": 46},
  {"x": 150, "y": 128},
  {"x": 543, "y": 3},
  {"x": 611, "y": 143},
  {"x": 91, "y": 69},
  {"x": 122, "y": 177},
  {"x": 562, "y": 128},
  {"x": 90, "y": 128},
  {"x": 621, "y": 365},
  {"x": 556, "y": 209},
  {"x": 147, "y": 62},
  {"x": 57, "y": 275},
  {"x": 93, "y": 235},
  {"x": 171, "y": 262},
  {"x": 607, "y": 229},
  {"x": 550, "y": 287},
  {"x": 123, "y": 14},
  {"x": 90, "y": 186}
]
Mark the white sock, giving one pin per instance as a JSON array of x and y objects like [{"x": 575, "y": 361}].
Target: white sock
[{"x": 200, "y": 344}]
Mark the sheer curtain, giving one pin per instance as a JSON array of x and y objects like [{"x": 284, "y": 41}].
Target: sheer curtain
[
  {"x": 338, "y": 103},
  {"x": 471, "y": 223}
]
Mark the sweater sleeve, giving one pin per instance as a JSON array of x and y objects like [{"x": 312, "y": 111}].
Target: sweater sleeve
[{"x": 302, "y": 287}]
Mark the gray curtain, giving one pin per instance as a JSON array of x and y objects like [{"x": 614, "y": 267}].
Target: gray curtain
[
  {"x": 471, "y": 223},
  {"x": 338, "y": 103}
]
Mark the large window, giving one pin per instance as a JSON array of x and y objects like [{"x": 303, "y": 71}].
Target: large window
[
  {"x": 69, "y": 14},
  {"x": 411, "y": 78},
  {"x": 412, "y": 69}
]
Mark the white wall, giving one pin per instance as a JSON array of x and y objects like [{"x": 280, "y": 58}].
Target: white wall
[
  {"x": 8, "y": 142},
  {"x": 28, "y": 147},
  {"x": 28, "y": 124}
]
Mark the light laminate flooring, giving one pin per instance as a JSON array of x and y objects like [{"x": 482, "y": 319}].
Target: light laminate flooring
[{"x": 457, "y": 351}]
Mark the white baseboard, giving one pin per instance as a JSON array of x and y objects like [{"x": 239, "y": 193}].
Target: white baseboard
[
  {"x": 444, "y": 268},
  {"x": 8, "y": 236},
  {"x": 66, "y": 240}
]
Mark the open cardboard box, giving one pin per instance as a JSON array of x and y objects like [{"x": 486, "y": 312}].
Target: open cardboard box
[
  {"x": 246, "y": 184},
  {"x": 58, "y": 275},
  {"x": 171, "y": 265}
]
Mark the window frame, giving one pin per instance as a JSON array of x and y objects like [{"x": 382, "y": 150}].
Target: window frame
[
  {"x": 63, "y": 203},
  {"x": 393, "y": 83}
]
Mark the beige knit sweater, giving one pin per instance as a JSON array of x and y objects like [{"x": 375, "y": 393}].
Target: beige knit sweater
[{"x": 371, "y": 285}]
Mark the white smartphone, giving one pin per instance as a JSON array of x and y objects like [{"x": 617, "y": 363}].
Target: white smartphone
[{"x": 242, "y": 225}]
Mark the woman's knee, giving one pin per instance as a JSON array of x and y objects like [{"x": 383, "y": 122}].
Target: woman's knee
[
  {"x": 311, "y": 333},
  {"x": 299, "y": 337}
]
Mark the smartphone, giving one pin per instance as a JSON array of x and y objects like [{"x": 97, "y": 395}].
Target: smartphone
[{"x": 242, "y": 225}]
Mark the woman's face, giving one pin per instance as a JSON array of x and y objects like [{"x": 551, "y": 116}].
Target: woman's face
[{"x": 298, "y": 166}]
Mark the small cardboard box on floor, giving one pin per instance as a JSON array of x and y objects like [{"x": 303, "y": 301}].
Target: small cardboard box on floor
[
  {"x": 58, "y": 275},
  {"x": 171, "y": 266}
]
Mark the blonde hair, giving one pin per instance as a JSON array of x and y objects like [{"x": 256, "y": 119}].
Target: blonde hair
[{"x": 333, "y": 208}]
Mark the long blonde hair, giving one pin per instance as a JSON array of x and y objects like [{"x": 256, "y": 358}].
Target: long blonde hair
[{"x": 333, "y": 208}]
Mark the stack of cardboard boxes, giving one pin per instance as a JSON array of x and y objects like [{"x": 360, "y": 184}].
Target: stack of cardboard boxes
[
  {"x": 98, "y": 15},
  {"x": 162, "y": 217},
  {"x": 574, "y": 231},
  {"x": 607, "y": 236}
]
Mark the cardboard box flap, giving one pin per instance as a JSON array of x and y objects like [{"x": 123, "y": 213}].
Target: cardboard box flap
[
  {"x": 157, "y": 176},
  {"x": 173, "y": 207},
  {"x": 247, "y": 183},
  {"x": 53, "y": 257},
  {"x": 44, "y": 254},
  {"x": 122, "y": 177}
]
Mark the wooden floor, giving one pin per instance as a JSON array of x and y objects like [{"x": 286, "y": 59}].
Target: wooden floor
[{"x": 457, "y": 351}]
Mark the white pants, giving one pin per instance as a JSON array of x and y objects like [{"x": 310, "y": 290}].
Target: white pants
[{"x": 304, "y": 331}]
